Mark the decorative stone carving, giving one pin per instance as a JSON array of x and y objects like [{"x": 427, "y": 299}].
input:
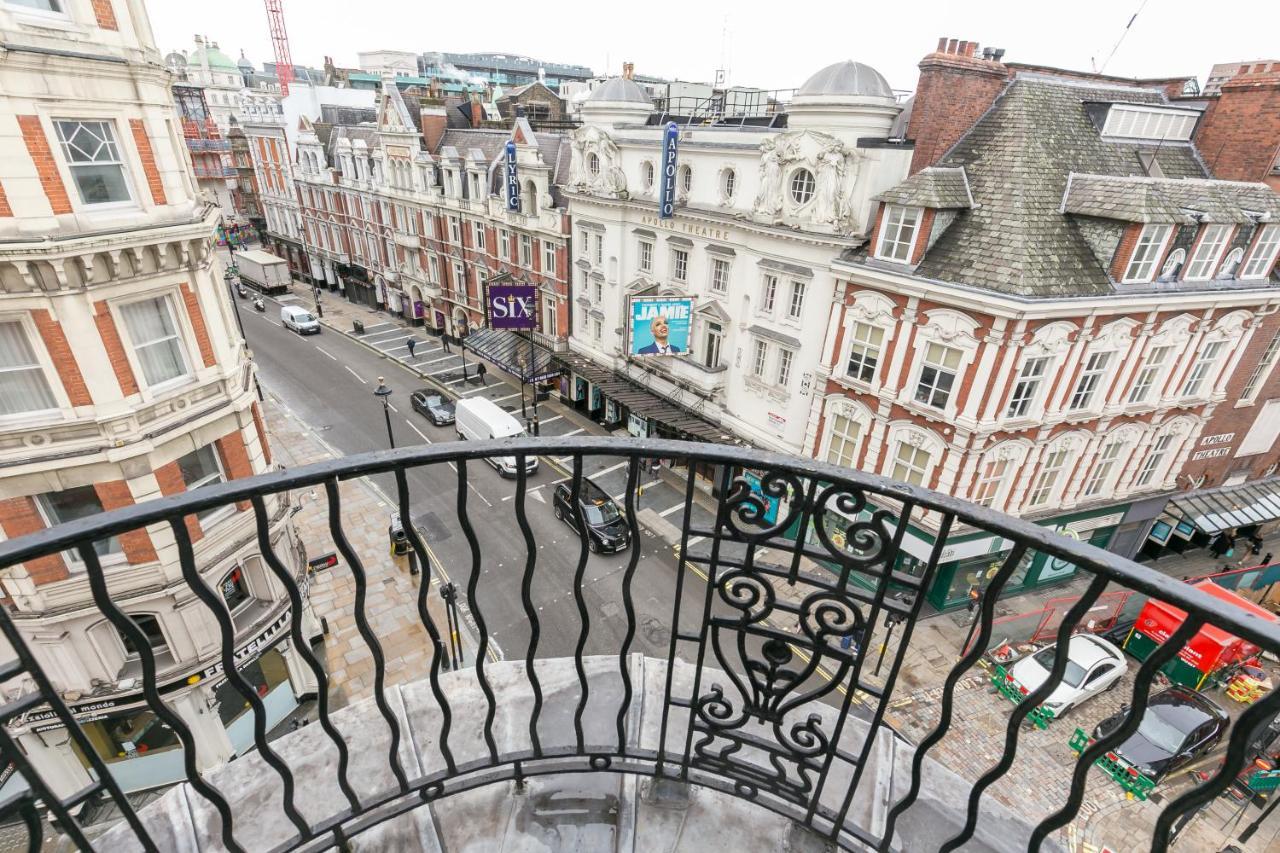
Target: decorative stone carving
[
  {"x": 769, "y": 198},
  {"x": 609, "y": 178},
  {"x": 830, "y": 176}
]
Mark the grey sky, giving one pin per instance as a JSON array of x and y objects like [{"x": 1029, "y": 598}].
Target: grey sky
[{"x": 771, "y": 45}]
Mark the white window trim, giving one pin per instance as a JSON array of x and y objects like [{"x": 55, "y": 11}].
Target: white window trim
[
  {"x": 1059, "y": 482},
  {"x": 792, "y": 284},
  {"x": 225, "y": 511},
  {"x": 1159, "y": 376},
  {"x": 1211, "y": 373},
  {"x": 1036, "y": 402},
  {"x": 856, "y": 414},
  {"x": 640, "y": 254},
  {"x": 71, "y": 556},
  {"x": 711, "y": 275},
  {"x": 674, "y": 266},
  {"x": 1210, "y": 262},
  {"x": 917, "y": 371},
  {"x": 1270, "y": 229},
  {"x": 186, "y": 336},
  {"x": 884, "y": 230},
  {"x": 761, "y": 309},
  {"x": 1098, "y": 393},
  {"x": 133, "y": 202},
  {"x": 1155, "y": 260},
  {"x": 886, "y": 334},
  {"x": 1261, "y": 372},
  {"x": 51, "y": 376}
]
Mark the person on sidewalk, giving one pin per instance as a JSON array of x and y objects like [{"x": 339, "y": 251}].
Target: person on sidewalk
[
  {"x": 480, "y": 370},
  {"x": 411, "y": 343},
  {"x": 444, "y": 339}
]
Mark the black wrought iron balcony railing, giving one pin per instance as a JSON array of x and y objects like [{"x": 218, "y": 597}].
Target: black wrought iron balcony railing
[{"x": 788, "y": 617}]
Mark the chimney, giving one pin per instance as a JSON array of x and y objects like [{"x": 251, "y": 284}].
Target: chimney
[
  {"x": 434, "y": 122},
  {"x": 629, "y": 70},
  {"x": 477, "y": 112},
  {"x": 1239, "y": 134},
  {"x": 956, "y": 87}
]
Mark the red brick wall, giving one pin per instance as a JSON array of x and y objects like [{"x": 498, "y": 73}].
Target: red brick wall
[
  {"x": 46, "y": 166},
  {"x": 262, "y": 433},
  {"x": 19, "y": 517},
  {"x": 148, "y": 158},
  {"x": 55, "y": 341},
  {"x": 1124, "y": 251},
  {"x": 197, "y": 324},
  {"x": 1239, "y": 135},
  {"x": 954, "y": 90},
  {"x": 169, "y": 478},
  {"x": 5, "y": 210},
  {"x": 922, "y": 236},
  {"x": 105, "y": 14},
  {"x": 235, "y": 459},
  {"x": 115, "y": 348},
  {"x": 136, "y": 544}
]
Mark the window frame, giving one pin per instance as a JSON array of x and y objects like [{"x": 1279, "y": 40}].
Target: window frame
[
  {"x": 718, "y": 266},
  {"x": 1153, "y": 460},
  {"x": 1045, "y": 484},
  {"x": 1026, "y": 388},
  {"x": 504, "y": 244},
  {"x": 1085, "y": 392},
  {"x": 213, "y": 515},
  {"x": 1205, "y": 362},
  {"x": 795, "y": 299},
  {"x": 888, "y": 224},
  {"x": 133, "y": 198},
  {"x": 1201, "y": 256},
  {"x": 865, "y": 350},
  {"x": 782, "y": 370},
  {"x": 180, "y": 334},
  {"x": 526, "y": 251},
  {"x": 760, "y": 358},
  {"x": 548, "y": 258},
  {"x": 644, "y": 255},
  {"x": 803, "y": 179},
  {"x": 848, "y": 439},
  {"x": 1149, "y": 265},
  {"x": 939, "y": 370},
  {"x": 1268, "y": 237},
  {"x": 71, "y": 556},
  {"x": 680, "y": 265},
  {"x": 478, "y": 235},
  {"x": 1257, "y": 376},
  {"x": 1149, "y": 373},
  {"x": 769, "y": 293},
  {"x": 989, "y": 482},
  {"x": 713, "y": 343},
  {"x": 910, "y": 466},
  {"x": 1100, "y": 473},
  {"x": 42, "y": 363}
]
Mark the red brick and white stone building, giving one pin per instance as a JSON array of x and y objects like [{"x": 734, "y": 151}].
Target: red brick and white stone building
[
  {"x": 1054, "y": 308},
  {"x": 122, "y": 379}
]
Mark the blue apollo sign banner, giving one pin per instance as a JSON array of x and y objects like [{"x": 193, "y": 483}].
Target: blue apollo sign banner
[
  {"x": 667, "y": 189},
  {"x": 513, "y": 179}
]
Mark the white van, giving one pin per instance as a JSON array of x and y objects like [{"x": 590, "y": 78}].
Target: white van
[
  {"x": 480, "y": 419},
  {"x": 299, "y": 319}
]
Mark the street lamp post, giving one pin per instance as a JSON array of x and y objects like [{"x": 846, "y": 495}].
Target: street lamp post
[
  {"x": 462, "y": 346},
  {"x": 319, "y": 309},
  {"x": 384, "y": 393}
]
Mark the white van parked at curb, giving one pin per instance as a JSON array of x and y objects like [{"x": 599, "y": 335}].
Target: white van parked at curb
[
  {"x": 480, "y": 419},
  {"x": 299, "y": 319}
]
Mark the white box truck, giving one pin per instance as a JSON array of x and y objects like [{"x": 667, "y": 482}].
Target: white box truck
[
  {"x": 263, "y": 271},
  {"x": 479, "y": 419}
]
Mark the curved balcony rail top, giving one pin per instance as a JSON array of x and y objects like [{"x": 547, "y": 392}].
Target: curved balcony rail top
[{"x": 756, "y": 707}]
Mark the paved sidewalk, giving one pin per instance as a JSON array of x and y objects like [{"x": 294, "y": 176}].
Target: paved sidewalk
[{"x": 391, "y": 598}]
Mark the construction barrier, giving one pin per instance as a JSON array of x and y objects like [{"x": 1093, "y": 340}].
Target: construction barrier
[
  {"x": 1135, "y": 785},
  {"x": 1013, "y": 691}
]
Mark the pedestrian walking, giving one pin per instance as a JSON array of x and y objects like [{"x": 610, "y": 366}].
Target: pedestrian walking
[
  {"x": 1266, "y": 559},
  {"x": 411, "y": 343},
  {"x": 444, "y": 339},
  {"x": 480, "y": 369}
]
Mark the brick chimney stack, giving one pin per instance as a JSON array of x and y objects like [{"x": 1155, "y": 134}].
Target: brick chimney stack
[
  {"x": 629, "y": 70},
  {"x": 477, "y": 111},
  {"x": 434, "y": 121},
  {"x": 956, "y": 87},
  {"x": 1239, "y": 135}
]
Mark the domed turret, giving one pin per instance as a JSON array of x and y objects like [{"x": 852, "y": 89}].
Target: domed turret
[
  {"x": 618, "y": 100},
  {"x": 849, "y": 99}
]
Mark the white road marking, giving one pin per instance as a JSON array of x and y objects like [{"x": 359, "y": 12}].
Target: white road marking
[
  {"x": 472, "y": 390},
  {"x": 511, "y": 397},
  {"x": 528, "y": 492},
  {"x": 323, "y": 350},
  {"x": 670, "y": 510},
  {"x": 383, "y": 334},
  {"x": 418, "y": 431},
  {"x": 356, "y": 375},
  {"x": 539, "y": 496},
  {"x": 377, "y": 326},
  {"x": 393, "y": 408},
  {"x": 608, "y": 470},
  {"x": 546, "y": 421},
  {"x": 457, "y": 381},
  {"x": 441, "y": 370},
  {"x": 567, "y": 434},
  {"x": 435, "y": 361},
  {"x": 393, "y": 349}
]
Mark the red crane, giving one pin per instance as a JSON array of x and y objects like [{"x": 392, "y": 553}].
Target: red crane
[{"x": 280, "y": 41}]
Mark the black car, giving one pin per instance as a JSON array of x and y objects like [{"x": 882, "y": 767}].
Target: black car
[
  {"x": 433, "y": 407},
  {"x": 607, "y": 529},
  {"x": 1179, "y": 726}
]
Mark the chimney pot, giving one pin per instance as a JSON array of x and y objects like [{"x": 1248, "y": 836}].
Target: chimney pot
[
  {"x": 951, "y": 45},
  {"x": 997, "y": 54},
  {"x": 942, "y": 45},
  {"x": 973, "y": 48},
  {"x": 962, "y": 49}
]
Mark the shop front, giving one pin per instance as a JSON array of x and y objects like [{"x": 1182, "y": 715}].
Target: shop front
[
  {"x": 1231, "y": 516},
  {"x": 357, "y": 285}
]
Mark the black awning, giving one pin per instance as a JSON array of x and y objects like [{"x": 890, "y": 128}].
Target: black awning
[
  {"x": 1215, "y": 510},
  {"x": 643, "y": 401},
  {"x": 510, "y": 351}
]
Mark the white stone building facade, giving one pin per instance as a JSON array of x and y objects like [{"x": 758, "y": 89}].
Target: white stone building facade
[{"x": 123, "y": 378}]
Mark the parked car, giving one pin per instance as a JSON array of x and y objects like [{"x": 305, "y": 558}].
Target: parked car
[
  {"x": 433, "y": 407},
  {"x": 1179, "y": 726},
  {"x": 1093, "y": 665},
  {"x": 607, "y": 530},
  {"x": 299, "y": 319},
  {"x": 478, "y": 419}
]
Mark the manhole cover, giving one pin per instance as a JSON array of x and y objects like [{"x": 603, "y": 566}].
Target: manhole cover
[{"x": 433, "y": 530}]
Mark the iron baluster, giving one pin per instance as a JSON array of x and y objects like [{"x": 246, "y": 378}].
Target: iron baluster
[
  {"x": 667, "y": 698},
  {"x": 584, "y": 617},
  {"x": 526, "y": 597},
  {"x": 468, "y": 531},
  {"x": 624, "y": 671}
]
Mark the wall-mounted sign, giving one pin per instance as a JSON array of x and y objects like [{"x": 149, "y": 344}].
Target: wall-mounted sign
[
  {"x": 777, "y": 422},
  {"x": 512, "y": 178},
  {"x": 638, "y": 425},
  {"x": 513, "y": 306},
  {"x": 1220, "y": 438},
  {"x": 1160, "y": 532},
  {"x": 660, "y": 325},
  {"x": 667, "y": 187},
  {"x": 1214, "y": 453}
]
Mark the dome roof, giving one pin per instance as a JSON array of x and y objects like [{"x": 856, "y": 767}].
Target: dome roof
[
  {"x": 620, "y": 89},
  {"x": 847, "y": 78},
  {"x": 244, "y": 64},
  {"x": 217, "y": 59}
]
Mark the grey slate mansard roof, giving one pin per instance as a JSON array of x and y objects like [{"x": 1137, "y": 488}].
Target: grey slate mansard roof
[
  {"x": 1018, "y": 158},
  {"x": 1162, "y": 200},
  {"x": 942, "y": 188}
]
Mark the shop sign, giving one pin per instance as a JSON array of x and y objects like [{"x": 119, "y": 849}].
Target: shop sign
[
  {"x": 1220, "y": 438},
  {"x": 512, "y": 178},
  {"x": 255, "y": 647},
  {"x": 1211, "y": 454},
  {"x": 777, "y": 422},
  {"x": 419, "y": 310},
  {"x": 610, "y": 412},
  {"x": 513, "y": 306},
  {"x": 667, "y": 189},
  {"x": 660, "y": 325},
  {"x": 638, "y": 426}
]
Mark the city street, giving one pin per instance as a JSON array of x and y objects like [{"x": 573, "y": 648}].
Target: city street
[{"x": 327, "y": 382}]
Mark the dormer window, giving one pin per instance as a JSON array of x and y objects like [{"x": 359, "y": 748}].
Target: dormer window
[
  {"x": 1147, "y": 252},
  {"x": 898, "y": 230},
  {"x": 1160, "y": 124},
  {"x": 1204, "y": 260},
  {"x": 1263, "y": 256}
]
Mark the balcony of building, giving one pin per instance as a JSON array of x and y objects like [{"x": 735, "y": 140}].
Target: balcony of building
[{"x": 747, "y": 702}]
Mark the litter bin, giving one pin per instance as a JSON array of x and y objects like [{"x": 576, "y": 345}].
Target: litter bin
[
  {"x": 395, "y": 533},
  {"x": 358, "y": 326}
]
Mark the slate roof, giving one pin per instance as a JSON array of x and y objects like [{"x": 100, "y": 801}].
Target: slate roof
[
  {"x": 942, "y": 188},
  {"x": 1018, "y": 158},
  {"x": 1139, "y": 199}
]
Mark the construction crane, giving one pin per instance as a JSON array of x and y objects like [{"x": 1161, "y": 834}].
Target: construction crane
[{"x": 280, "y": 41}]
